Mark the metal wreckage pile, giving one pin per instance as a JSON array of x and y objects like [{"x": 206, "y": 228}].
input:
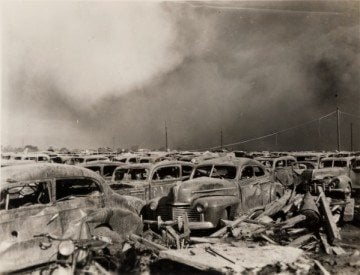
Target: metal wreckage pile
[{"x": 97, "y": 230}]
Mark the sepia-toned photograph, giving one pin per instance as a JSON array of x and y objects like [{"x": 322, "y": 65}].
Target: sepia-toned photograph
[{"x": 180, "y": 137}]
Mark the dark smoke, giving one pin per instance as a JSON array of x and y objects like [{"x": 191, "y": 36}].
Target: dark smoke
[{"x": 247, "y": 69}]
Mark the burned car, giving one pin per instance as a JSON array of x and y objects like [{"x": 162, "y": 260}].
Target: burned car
[
  {"x": 310, "y": 160},
  {"x": 46, "y": 200},
  {"x": 148, "y": 181},
  {"x": 281, "y": 168},
  {"x": 337, "y": 176},
  {"x": 218, "y": 189}
]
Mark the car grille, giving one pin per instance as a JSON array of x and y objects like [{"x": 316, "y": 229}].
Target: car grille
[{"x": 180, "y": 210}]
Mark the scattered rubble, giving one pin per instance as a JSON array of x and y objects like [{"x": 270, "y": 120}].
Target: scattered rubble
[{"x": 287, "y": 235}]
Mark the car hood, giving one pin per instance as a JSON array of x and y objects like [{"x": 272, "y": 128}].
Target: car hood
[
  {"x": 187, "y": 191},
  {"x": 328, "y": 172}
]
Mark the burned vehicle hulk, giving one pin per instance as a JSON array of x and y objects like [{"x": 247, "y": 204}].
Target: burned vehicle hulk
[
  {"x": 41, "y": 200},
  {"x": 338, "y": 176},
  {"x": 149, "y": 181},
  {"x": 282, "y": 169},
  {"x": 218, "y": 189}
]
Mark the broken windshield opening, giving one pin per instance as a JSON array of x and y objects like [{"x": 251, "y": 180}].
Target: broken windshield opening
[
  {"x": 224, "y": 172},
  {"x": 131, "y": 174},
  {"x": 202, "y": 171},
  {"x": 326, "y": 164}
]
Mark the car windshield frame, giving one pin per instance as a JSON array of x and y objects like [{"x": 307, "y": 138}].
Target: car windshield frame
[{"x": 130, "y": 179}]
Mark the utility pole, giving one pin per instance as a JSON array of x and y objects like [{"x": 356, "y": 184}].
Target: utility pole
[
  {"x": 221, "y": 139},
  {"x": 338, "y": 128},
  {"x": 351, "y": 137},
  {"x": 166, "y": 137}
]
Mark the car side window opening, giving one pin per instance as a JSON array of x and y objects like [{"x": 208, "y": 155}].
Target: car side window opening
[
  {"x": 326, "y": 164},
  {"x": 132, "y": 160},
  {"x": 356, "y": 163},
  {"x": 109, "y": 170},
  {"x": 224, "y": 172},
  {"x": 24, "y": 195},
  {"x": 340, "y": 163},
  {"x": 76, "y": 188},
  {"x": 290, "y": 162},
  {"x": 166, "y": 173},
  {"x": 247, "y": 172},
  {"x": 280, "y": 163},
  {"x": 42, "y": 159},
  {"x": 96, "y": 169},
  {"x": 258, "y": 171},
  {"x": 267, "y": 163},
  {"x": 91, "y": 159},
  {"x": 145, "y": 161}
]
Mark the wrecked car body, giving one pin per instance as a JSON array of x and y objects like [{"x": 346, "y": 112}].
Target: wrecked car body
[
  {"x": 336, "y": 175},
  {"x": 218, "y": 189},
  {"x": 281, "y": 168},
  {"x": 149, "y": 181},
  {"x": 42, "y": 199}
]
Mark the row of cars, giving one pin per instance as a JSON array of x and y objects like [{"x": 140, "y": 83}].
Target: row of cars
[{"x": 52, "y": 199}]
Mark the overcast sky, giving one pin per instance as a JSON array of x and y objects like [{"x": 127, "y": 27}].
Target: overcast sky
[{"x": 90, "y": 74}]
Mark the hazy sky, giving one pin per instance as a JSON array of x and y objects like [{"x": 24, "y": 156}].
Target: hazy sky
[{"x": 89, "y": 74}]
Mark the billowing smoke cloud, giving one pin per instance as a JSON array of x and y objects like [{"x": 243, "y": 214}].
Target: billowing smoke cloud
[{"x": 241, "y": 67}]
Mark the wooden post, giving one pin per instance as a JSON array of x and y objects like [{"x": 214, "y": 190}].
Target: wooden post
[
  {"x": 330, "y": 225},
  {"x": 338, "y": 128}
]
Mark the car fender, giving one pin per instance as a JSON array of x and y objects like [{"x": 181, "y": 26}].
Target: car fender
[
  {"x": 344, "y": 180},
  {"x": 214, "y": 206}
]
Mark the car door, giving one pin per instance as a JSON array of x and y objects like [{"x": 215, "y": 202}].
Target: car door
[
  {"x": 250, "y": 188},
  {"x": 263, "y": 180},
  {"x": 75, "y": 197},
  {"x": 162, "y": 179},
  {"x": 26, "y": 210}
]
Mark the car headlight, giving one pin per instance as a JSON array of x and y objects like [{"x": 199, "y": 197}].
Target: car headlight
[
  {"x": 200, "y": 208},
  {"x": 153, "y": 205},
  {"x": 66, "y": 248},
  {"x": 334, "y": 183}
]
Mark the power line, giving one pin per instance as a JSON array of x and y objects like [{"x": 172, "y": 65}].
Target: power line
[{"x": 271, "y": 134}]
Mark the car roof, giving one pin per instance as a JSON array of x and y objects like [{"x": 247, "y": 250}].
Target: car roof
[
  {"x": 102, "y": 163},
  {"x": 338, "y": 158},
  {"x": 230, "y": 161},
  {"x": 88, "y": 157},
  {"x": 154, "y": 165},
  {"x": 12, "y": 175},
  {"x": 276, "y": 158}
]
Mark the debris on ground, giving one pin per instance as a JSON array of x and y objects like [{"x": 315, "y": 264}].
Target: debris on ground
[{"x": 287, "y": 235}]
